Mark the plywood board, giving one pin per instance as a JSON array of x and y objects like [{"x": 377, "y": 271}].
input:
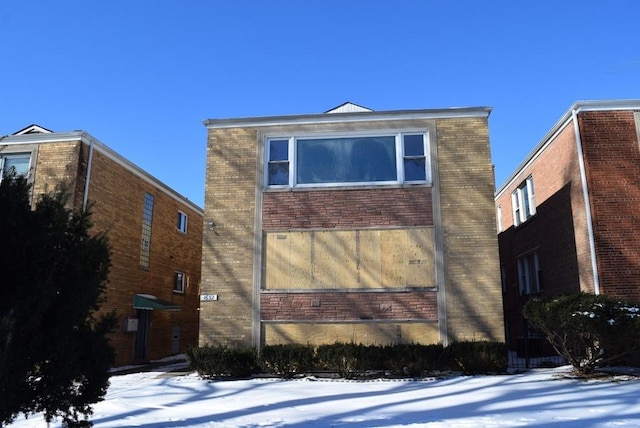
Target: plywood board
[
  {"x": 349, "y": 259},
  {"x": 365, "y": 333}
]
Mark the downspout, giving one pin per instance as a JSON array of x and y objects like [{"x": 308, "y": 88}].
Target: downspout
[
  {"x": 85, "y": 197},
  {"x": 587, "y": 203}
]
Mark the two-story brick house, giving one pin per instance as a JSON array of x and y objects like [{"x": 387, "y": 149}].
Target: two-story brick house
[
  {"x": 568, "y": 216},
  {"x": 352, "y": 225},
  {"x": 155, "y": 235}
]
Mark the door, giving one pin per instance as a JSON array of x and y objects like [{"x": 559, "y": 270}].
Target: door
[{"x": 140, "y": 352}]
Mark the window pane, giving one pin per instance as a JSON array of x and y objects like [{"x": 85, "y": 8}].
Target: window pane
[
  {"x": 17, "y": 164},
  {"x": 346, "y": 160},
  {"x": 413, "y": 145},
  {"x": 278, "y": 150},
  {"x": 182, "y": 222},
  {"x": 414, "y": 169},
  {"x": 279, "y": 173}
]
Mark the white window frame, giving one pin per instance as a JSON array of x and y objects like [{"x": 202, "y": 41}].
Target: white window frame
[
  {"x": 182, "y": 223},
  {"x": 179, "y": 282},
  {"x": 399, "y": 151},
  {"x": 523, "y": 202},
  {"x": 529, "y": 282}
]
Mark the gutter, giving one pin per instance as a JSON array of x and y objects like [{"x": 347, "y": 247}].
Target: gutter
[
  {"x": 87, "y": 179},
  {"x": 587, "y": 203}
]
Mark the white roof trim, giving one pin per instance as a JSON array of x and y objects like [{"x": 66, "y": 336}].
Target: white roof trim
[
  {"x": 33, "y": 129},
  {"x": 578, "y": 106},
  {"x": 455, "y": 112},
  {"x": 348, "y": 107},
  {"x": 86, "y": 138}
]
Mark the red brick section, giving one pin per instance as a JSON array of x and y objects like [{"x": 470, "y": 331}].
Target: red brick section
[
  {"x": 353, "y": 208},
  {"x": 612, "y": 159},
  {"x": 348, "y": 306}
]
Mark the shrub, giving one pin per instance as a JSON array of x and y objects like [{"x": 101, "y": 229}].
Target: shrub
[
  {"x": 588, "y": 330},
  {"x": 287, "y": 360},
  {"x": 413, "y": 359},
  {"x": 473, "y": 357},
  {"x": 215, "y": 362},
  {"x": 348, "y": 359}
]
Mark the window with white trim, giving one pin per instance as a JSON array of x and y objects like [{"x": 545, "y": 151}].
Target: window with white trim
[
  {"x": 183, "y": 222},
  {"x": 179, "y": 282},
  {"x": 529, "y": 274},
  {"x": 523, "y": 202},
  {"x": 17, "y": 164},
  {"x": 347, "y": 160}
]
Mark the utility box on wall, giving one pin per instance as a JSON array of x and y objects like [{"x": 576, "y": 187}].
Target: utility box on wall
[{"x": 131, "y": 324}]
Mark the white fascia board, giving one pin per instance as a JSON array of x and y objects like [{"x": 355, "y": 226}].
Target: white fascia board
[
  {"x": 454, "y": 112},
  {"x": 87, "y": 139},
  {"x": 578, "y": 106}
]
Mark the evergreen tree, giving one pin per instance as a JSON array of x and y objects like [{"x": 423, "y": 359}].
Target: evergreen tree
[{"x": 54, "y": 351}]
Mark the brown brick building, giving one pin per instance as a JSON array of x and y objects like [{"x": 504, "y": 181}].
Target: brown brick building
[
  {"x": 155, "y": 235},
  {"x": 568, "y": 216},
  {"x": 352, "y": 225}
]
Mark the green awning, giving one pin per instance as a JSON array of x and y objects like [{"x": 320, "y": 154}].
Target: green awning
[{"x": 149, "y": 302}]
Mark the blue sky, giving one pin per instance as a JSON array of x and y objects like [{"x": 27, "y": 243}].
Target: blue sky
[{"x": 142, "y": 75}]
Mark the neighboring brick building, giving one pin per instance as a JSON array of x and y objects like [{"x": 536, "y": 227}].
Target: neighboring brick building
[
  {"x": 576, "y": 203},
  {"x": 353, "y": 225},
  {"x": 155, "y": 235}
]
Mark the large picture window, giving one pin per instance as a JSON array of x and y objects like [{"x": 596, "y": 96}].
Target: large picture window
[{"x": 347, "y": 160}]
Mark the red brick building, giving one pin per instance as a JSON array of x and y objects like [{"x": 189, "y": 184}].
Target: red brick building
[
  {"x": 568, "y": 216},
  {"x": 155, "y": 235},
  {"x": 350, "y": 225}
]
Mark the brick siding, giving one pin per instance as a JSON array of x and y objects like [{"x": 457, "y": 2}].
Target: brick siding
[
  {"x": 349, "y": 306},
  {"x": 353, "y": 208}
]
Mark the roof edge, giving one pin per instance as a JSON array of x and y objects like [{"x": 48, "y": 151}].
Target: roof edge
[
  {"x": 578, "y": 106},
  {"x": 365, "y": 116},
  {"x": 87, "y": 138}
]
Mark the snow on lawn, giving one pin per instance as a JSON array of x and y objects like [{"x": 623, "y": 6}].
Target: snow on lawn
[{"x": 539, "y": 398}]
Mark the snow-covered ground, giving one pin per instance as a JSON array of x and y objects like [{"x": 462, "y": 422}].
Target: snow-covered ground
[{"x": 538, "y": 398}]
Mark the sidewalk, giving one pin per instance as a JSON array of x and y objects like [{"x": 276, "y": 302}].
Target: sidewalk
[{"x": 173, "y": 367}]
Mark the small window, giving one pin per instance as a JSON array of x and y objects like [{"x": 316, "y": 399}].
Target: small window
[
  {"x": 415, "y": 160},
  {"x": 529, "y": 274},
  {"x": 523, "y": 201},
  {"x": 179, "y": 281},
  {"x": 17, "y": 164},
  {"x": 278, "y": 162},
  {"x": 183, "y": 221},
  {"x": 147, "y": 221}
]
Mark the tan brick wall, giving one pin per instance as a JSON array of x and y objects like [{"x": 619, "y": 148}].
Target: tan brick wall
[
  {"x": 59, "y": 164},
  {"x": 366, "y": 333},
  {"x": 472, "y": 275},
  {"x": 118, "y": 195},
  {"x": 233, "y": 185},
  {"x": 227, "y": 255}
]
